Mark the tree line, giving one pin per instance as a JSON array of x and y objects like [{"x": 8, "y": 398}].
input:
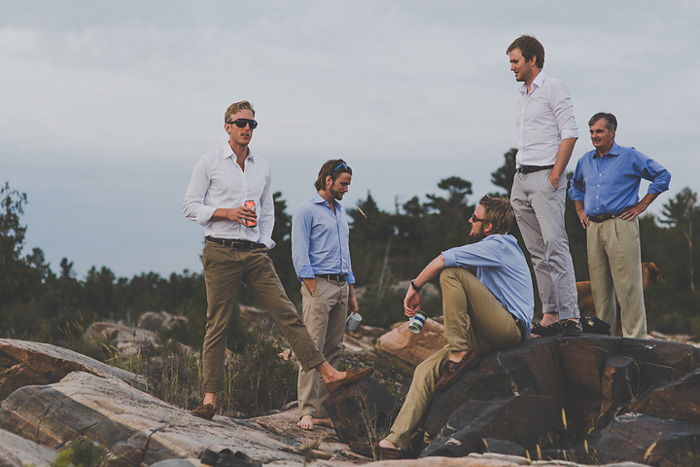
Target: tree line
[{"x": 387, "y": 247}]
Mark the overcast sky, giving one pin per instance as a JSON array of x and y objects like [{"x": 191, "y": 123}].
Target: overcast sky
[{"x": 106, "y": 105}]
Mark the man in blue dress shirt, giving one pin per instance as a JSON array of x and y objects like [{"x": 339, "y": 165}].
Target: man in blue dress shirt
[
  {"x": 605, "y": 191},
  {"x": 321, "y": 255},
  {"x": 483, "y": 313}
]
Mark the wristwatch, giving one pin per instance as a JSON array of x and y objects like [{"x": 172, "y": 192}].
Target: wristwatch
[{"x": 415, "y": 287}]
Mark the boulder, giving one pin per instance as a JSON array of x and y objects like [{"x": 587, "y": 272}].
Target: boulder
[
  {"x": 555, "y": 396},
  {"x": 407, "y": 349},
  {"x": 361, "y": 410},
  {"x": 128, "y": 341},
  {"x": 24, "y": 363},
  {"x": 152, "y": 320}
]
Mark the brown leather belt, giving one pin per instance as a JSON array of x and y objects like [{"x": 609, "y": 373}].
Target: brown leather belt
[
  {"x": 236, "y": 244},
  {"x": 601, "y": 218}
]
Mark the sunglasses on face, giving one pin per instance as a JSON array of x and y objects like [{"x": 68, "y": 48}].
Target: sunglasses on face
[
  {"x": 242, "y": 122},
  {"x": 476, "y": 219}
]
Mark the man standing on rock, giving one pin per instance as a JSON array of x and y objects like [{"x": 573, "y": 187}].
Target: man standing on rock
[
  {"x": 230, "y": 195},
  {"x": 321, "y": 255},
  {"x": 547, "y": 133},
  {"x": 605, "y": 190},
  {"x": 483, "y": 314}
]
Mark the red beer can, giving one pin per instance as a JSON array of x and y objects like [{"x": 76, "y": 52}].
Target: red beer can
[{"x": 250, "y": 204}]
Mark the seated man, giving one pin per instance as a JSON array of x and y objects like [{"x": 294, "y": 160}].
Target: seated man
[{"x": 483, "y": 314}]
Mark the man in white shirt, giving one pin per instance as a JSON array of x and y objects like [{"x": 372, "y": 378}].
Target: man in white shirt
[
  {"x": 547, "y": 133},
  {"x": 238, "y": 238}
]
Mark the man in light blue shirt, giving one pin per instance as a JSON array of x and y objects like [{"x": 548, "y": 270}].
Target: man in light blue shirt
[
  {"x": 321, "y": 256},
  {"x": 482, "y": 314},
  {"x": 605, "y": 190}
]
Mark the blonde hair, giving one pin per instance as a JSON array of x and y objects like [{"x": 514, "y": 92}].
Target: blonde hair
[
  {"x": 237, "y": 107},
  {"x": 498, "y": 212}
]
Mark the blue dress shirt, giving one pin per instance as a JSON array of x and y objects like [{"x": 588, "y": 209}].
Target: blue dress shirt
[
  {"x": 320, "y": 239},
  {"x": 609, "y": 184},
  {"x": 502, "y": 268}
]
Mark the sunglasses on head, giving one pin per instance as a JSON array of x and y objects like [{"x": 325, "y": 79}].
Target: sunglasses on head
[
  {"x": 242, "y": 122},
  {"x": 342, "y": 164}
]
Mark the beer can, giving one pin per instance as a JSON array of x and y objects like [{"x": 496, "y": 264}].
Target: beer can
[{"x": 250, "y": 223}]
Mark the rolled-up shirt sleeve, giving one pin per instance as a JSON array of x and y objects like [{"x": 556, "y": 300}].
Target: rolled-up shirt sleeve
[
  {"x": 193, "y": 207},
  {"x": 563, "y": 109}
]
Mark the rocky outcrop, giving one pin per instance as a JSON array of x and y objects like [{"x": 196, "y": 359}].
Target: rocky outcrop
[
  {"x": 152, "y": 320},
  {"x": 17, "y": 451},
  {"x": 362, "y": 410},
  {"x": 130, "y": 341},
  {"x": 138, "y": 428},
  {"x": 577, "y": 399},
  {"x": 24, "y": 363},
  {"x": 407, "y": 349}
]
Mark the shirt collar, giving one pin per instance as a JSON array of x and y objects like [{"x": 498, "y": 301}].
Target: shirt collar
[
  {"x": 318, "y": 199},
  {"x": 228, "y": 152},
  {"x": 536, "y": 83},
  {"x": 614, "y": 151}
]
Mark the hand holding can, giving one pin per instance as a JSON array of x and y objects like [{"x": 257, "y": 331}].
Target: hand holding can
[{"x": 250, "y": 223}]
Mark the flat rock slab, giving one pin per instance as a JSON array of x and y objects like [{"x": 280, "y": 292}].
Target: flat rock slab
[
  {"x": 24, "y": 363},
  {"x": 17, "y": 451},
  {"x": 132, "y": 424}
]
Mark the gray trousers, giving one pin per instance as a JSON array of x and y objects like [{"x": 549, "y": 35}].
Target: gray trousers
[{"x": 539, "y": 211}]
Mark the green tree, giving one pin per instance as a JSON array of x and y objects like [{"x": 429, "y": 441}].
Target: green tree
[
  {"x": 681, "y": 212},
  {"x": 16, "y": 274}
]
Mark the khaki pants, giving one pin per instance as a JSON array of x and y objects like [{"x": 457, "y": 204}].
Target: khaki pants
[
  {"x": 615, "y": 267},
  {"x": 539, "y": 211},
  {"x": 473, "y": 320},
  {"x": 324, "y": 313},
  {"x": 224, "y": 271}
]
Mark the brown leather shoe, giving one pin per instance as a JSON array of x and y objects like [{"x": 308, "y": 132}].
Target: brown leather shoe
[
  {"x": 453, "y": 369},
  {"x": 205, "y": 411},
  {"x": 352, "y": 376},
  {"x": 375, "y": 451}
]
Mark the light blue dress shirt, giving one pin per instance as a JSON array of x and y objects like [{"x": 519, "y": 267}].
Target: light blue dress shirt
[
  {"x": 320, "y": 239},
  {"x": 502, "y": 268},
  {"x": 609, "y": 184}
]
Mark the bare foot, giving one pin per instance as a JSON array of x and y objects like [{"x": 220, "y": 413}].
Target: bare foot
[
  {"x": 549, "y": 318},
  {"x": 306, "y": 423},
  {"x": 385, "y": 443},
  {"x": 330, "y": 374},
  {"x": 327, "y": 422}
]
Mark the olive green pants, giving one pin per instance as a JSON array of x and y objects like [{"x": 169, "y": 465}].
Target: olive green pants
[{"x": 225, "y": 269}]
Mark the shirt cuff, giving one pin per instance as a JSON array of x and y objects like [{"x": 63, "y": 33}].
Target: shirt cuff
[{"x": 450, "y": 258}]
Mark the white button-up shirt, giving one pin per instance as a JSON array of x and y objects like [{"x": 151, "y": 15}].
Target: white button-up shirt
[
  {"x": 545, "y": 118},
  {"x": 219, "y": 182}
]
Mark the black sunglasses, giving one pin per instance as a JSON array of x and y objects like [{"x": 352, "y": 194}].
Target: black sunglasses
[
  {"x": 242, "y": 122},
  {"x": 476, "y": 219}
]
